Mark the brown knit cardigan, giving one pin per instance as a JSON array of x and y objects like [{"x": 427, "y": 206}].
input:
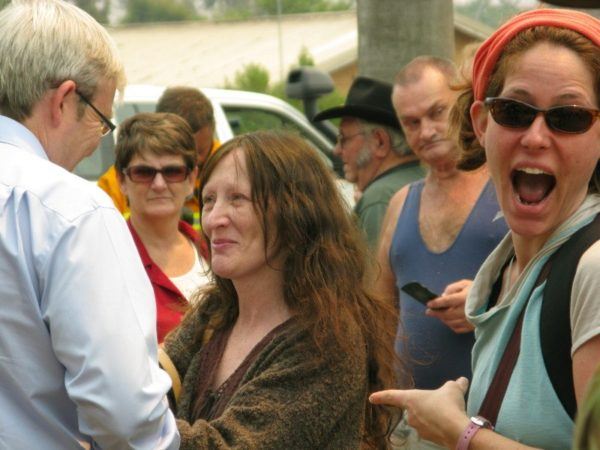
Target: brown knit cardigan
[{"x": 288, "y": 399}]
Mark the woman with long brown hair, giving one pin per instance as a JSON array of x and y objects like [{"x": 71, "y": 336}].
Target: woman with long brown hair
[{"x": 284, "y": 349}]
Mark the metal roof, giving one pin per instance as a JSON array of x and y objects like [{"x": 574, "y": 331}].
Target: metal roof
[{"x": 206, "y": 53}]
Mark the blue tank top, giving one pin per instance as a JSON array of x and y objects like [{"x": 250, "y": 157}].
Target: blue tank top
[{"x": 435, "y": 352}]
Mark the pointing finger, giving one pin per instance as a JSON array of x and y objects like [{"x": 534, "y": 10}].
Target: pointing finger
[{"x": 392, "y": 397}]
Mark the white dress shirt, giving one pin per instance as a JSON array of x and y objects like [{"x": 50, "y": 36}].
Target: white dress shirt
[{"x": 77, "y": 315}]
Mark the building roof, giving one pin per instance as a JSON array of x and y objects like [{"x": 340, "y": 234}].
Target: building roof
[{"x": 207, "y": 53}]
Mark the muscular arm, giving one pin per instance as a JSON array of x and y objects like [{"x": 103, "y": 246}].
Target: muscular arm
[{"x": 386, "y": 281}]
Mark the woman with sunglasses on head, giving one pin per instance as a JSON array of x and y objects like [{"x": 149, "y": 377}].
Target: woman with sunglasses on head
[
  {"x": 284, "y": 348},
  {"x": 156, "y": 167},
  {"x": 531, "y": 113}
]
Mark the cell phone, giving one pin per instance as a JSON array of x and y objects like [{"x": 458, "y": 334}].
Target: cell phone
[{"x": 419, "y": 292}]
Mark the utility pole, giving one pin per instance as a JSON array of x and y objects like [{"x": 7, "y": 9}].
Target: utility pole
[
  {"x": 392, "y": 32},
  {"x": 280, "y": 40}
]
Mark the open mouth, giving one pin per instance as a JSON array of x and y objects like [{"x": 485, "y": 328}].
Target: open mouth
[{"x": 532, "y": 185}]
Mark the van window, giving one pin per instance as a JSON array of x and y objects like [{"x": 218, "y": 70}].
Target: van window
[
  {"x": 92, "y": 167},
  {"x": 245, "y": 120}
]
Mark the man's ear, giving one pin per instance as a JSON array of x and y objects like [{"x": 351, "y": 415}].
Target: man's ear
[
  {"x": 479, "y": 119},
  {"x": 382, "y": 143},
  {"x": 62, "y": 101}
]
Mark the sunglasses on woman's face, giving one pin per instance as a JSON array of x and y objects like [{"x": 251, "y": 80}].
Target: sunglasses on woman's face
[
  {"x": 146, "y": 174},
  {"x": 565, "y": 119}
]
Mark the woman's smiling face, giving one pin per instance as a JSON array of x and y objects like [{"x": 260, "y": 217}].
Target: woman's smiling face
[
  {"x": 541, "y": 175},
  {"x": 232, "y": 224}
]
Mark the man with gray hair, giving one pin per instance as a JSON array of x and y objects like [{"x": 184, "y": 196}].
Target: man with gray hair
[
  {"x": 373, "y": 150},
  {"x": 78, "y": 350}
]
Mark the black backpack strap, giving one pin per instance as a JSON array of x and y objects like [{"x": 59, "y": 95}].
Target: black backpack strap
[{"x": 555, "y": 319}]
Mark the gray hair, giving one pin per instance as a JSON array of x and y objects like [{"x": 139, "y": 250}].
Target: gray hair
[
  {"x": 46, "y": 42},
  {"x": 397, "y": 140}
]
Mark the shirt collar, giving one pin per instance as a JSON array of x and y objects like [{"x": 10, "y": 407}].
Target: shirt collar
[{"x": 15, "y": 133}]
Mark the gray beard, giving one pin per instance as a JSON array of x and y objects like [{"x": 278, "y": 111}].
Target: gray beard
[{"x": 364, "y": 158}]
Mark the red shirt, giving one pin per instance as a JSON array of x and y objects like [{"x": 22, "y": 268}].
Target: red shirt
[{"x": 170, "y": 302}]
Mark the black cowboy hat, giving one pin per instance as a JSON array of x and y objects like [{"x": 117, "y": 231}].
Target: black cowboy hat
[
  {"x": 368, "y": 99},
  {"x": 575, "y": 3}
]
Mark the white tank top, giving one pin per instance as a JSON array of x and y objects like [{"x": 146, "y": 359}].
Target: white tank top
[{"x": 195, "y": 278}]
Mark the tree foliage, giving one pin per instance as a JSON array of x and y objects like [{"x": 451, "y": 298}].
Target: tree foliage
[
  {"x": 99, "y": 10},
  {"x": 302, "y": 6},
  {"x": 252, "y": 77},
  {"x": 305, "y": 59},
  {"x": 491, "y": 12},
  {"x": 138, "y": 11},
  {"x": 255, "y": 77},
  {"x": 244, "y": 9}
]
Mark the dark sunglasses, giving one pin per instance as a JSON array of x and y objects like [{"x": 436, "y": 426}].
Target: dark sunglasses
[
  {"x": 146, "y": 174},
  {"x": 106, "y": 125},
  {"x": 566, "y": 119}
]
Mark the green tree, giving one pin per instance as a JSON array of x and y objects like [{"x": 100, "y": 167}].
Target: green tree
[
  {"x": 242, "y": 9},
  {"x": 492, "y": 13},
  {"x": 99, "y": 10},
  {"x": 302, "y": 6},
  {"x": 137, "y": 11},
  {"x": 3, "y": 3},
  {"x": 255, "y": 78},
  {"x": 305, "y": 59},
  {"x": 252, "y": 77}
]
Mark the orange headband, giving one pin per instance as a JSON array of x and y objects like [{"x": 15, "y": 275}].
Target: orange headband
[{"x": 489, "y": 52}]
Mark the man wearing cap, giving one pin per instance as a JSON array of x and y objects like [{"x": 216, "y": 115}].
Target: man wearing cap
[
  {"x": 373, "y": 150},
  {"x": 437, "y": 232}
]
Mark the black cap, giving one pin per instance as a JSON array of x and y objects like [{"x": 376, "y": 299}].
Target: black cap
[{"x": 368, "y": 99}]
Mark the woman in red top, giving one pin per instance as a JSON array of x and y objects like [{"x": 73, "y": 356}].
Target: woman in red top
[{"x": 156, "y": 167}]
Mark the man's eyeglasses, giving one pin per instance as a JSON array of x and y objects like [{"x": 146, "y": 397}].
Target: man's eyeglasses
[
  {"x": 106, "y": 124},
  {"x": 566, "y": 119},
  {"x": 146, "y": 174},
  {"x": 343, "y": 140}
]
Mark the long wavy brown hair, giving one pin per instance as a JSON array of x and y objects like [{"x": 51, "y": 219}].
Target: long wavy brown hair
[
  {"x": 327, "y": 270},
  {"x": 461, "y": 127}
]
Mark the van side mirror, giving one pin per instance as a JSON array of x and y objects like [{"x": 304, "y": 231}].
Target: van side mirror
[{"x": 308, "y": 84}]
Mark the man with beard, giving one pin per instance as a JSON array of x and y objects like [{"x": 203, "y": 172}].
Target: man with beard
[
  {"x": 373, "y": 150},
  {"x": 437, "y": 232}
]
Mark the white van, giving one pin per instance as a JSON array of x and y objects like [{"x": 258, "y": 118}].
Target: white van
[{"x": 235, "y": 112}]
